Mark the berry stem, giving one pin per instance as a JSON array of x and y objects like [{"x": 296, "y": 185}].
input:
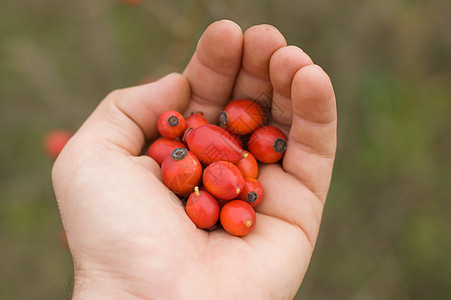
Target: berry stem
[{"x": 196, "y": 191}]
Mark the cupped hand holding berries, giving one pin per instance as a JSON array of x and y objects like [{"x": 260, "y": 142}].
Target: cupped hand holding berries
[{"x": 130, "y": 237}]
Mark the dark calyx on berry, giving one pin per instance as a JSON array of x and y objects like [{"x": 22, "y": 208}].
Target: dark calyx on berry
[
  {"x": 173, "y": 121},
  {"x": 251, "y": 197},
  {"x": 179, "y": 153},
  {"x": 223, "y": 118},
  {"x": 280, "y": 145}
]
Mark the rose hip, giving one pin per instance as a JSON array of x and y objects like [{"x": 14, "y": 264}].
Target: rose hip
[
  {"x": 162, "y": 148},
  {"x": 268, "y": 144},
  {"x": 252, "y": 192},
  {"x": 195, "y": 120},
  {"x": 202, "y": 209},
  {"x": 238, "y": 217},
  {"x": 242, "y": 116},
  {"x": 223, "y": 180},
  {"x": 248, "y": 166},
  {"x": 181, "y": 171},
  {"x": 171, "y": 124},
  {"x": 54, "y": 142},
  {"x": 211, "y": 143},
  {"x": 237, "y": 140}
]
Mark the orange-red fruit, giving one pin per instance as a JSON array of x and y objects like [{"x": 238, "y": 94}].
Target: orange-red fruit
[
  {"x": 162, "y": 148},
  {"x": 211, "y": 143},
  {"x": 181, "y": 172},
  {"x": 237, "y": 140},
  {"x": 202, "y": 209},
  {"x": 248, "y": 166},
  {"x": 252, "y": 192},
  {"x": 223, "y": 180},
  {"x": 195, "y": 120},
  {"x": 54, "y": 142},
  {"x": 242, "y": 116},
  {"x": 238, "y": 217},
  {"x": 171, "y": 124},
  {"x": 268, "y": 144}
]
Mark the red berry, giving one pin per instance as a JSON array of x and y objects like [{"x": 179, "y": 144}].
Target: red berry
[
  {"x": 248, "y": 166},
  {"x": 202, "y": 209},
  {"x": 211, "y": 143},
  {"x": 181, "y": 172},
  {"x": 268, "y": 144},
  {"x": 237, "y": 140},
  {"x": 252, "y": 192},
  {"x": 223, "y": 180},
  {"x": 171, "y": 124},
  {"x": 195, "y": 120},
  {"x": 238, "y": 217},
  {"x": 54, "y": 142},
  {"x": 242, "y": 116},
  {"x": 162, "y": 148}
]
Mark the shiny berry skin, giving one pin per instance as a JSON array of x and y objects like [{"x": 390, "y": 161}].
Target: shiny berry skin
[
  {"x": 242, "y": 116},
  {"x": 202, "y": 209},
  {"x": 248, "y": 166},
  {"x": 237, "y": 140},
  {"x": 238, "y": 217},
  {"x": 54, "y": 142},
  {"x": 195, "y": 120},
  {"x": 252, "y": 192},
  {"x": 181, "y": 172},
  {"x": 162, "y": 148},
  {"x": 211, "y": 143},
  {"x": 223, "y": 180},
  {"x": 268, "y": 144},
  {"x": 171, "y": 124}
]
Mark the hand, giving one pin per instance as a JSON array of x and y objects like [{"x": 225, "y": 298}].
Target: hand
[{"x": 130, "y": 236}]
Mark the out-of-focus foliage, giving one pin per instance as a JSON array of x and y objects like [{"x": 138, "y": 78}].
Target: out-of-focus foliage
[{"x": 385, "y": 233}]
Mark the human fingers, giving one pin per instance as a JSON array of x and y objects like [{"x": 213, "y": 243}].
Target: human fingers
[
  {"x": 212, "y": 70},
  {"x": 312, "y": 138},
  {"x": 253, "y": 81},
  {"x": 284, "y": 64}
]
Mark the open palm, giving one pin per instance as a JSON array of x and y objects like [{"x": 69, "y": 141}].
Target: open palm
[{"x": 130, "y": 236}]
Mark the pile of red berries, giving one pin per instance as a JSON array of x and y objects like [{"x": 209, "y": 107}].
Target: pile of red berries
[{"x": 209, "y": 164}]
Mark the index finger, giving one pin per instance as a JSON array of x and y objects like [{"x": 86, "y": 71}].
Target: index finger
[{"x": 213, "y": 68}]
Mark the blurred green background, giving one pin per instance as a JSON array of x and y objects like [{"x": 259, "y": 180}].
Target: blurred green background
[{"x": 386, "y": 225}]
